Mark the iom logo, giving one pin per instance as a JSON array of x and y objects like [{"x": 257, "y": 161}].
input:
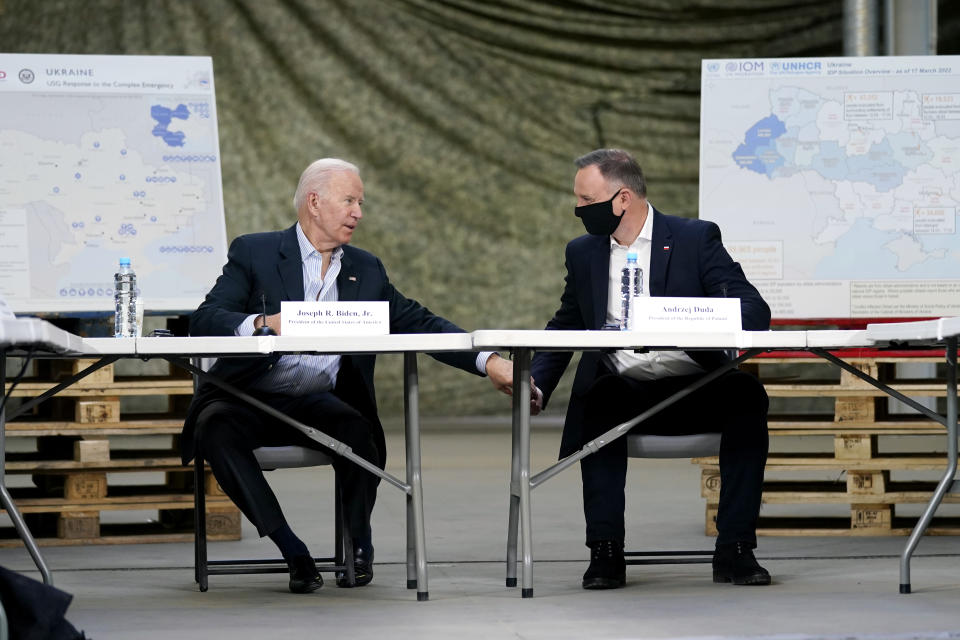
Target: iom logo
[
  {"x": 751, "y": 66},
  {"x": 3, "y": 75},
  {"x": 744, "y": 67}
]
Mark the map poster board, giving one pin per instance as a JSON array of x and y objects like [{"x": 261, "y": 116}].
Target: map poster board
[
  {"x": 103, "y": 157},
  {"x": 836, "y": 181}
]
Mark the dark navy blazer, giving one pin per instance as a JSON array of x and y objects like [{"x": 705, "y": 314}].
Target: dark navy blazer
[
  {"x": 270, "y": 263},
  {"x": 687, "y": 259}
]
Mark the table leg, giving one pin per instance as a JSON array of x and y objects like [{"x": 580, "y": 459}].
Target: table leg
[
  {"x": 514, "y": 493},
  {"x": 947, "y": 481},
  {"x": 415, "y": 494},
  {"x": 521, "y": 415},
  {"x": 7, "y": 500}
]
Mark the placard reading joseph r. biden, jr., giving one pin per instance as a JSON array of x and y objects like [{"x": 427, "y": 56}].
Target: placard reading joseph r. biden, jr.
[{"x": 334, "y": 318}]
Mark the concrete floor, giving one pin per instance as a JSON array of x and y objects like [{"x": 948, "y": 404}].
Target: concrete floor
[{"x": 823, "y": 587}]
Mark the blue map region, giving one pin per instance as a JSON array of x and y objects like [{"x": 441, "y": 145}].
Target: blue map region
[
  {"x": 163, "y": 116},
  {"x": 879, "y": 166},
  {"x": 758, "y": 152},
  {"x": 860, "y": 255}
]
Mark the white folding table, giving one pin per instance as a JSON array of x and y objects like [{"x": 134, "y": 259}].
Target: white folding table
[
  {"x": 523, "y": 343},
  {"x": 179, "y": 351},
  {"x": 27, "y": 335},
  {"x": 749, "y": 343},
  {"x": 943, "y": 331},
  {"x": 36, "y": 337}
]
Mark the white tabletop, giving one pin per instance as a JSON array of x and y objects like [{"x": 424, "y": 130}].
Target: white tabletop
[
  {"x": 109, "y": 346},
  {"x": 838, "y": 338},
  {"x": 259, "y": 345},
  {"x": 922, "y": 331},
  {"x": 578, "y": 340},
  {"x": 24, "y": 332},
  {"x": 875, "y": 335},
  {"x": 33, "y": 332}
]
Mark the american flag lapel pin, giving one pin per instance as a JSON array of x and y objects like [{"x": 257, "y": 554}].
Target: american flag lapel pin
[
  {"x": 666, "y": 247},
  {"x": 352, "y": 278}
]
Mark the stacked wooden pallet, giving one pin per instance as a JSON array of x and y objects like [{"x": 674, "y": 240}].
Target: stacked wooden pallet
[
  {"x": 84, "y": 458},
  {"x": 856, "y": 471}
]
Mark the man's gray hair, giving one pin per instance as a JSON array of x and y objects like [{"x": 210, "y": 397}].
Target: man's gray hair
[
  {"x": 316, "y": 177},
  {"x": 616, "y": 166}
]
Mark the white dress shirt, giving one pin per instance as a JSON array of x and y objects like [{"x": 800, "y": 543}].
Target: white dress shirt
[
  {"x": 298, "y": 374},
  {"x": 653, "y": 364}
]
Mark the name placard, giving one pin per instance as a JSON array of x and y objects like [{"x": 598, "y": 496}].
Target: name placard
[
  {"x": 685, "y": 314},
  {"x": 365, "y": 318}
]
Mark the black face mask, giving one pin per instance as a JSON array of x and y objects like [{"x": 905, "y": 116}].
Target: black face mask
[{"x": 598, "y": 217}]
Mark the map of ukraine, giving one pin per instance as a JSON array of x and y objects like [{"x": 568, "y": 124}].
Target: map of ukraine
[{"x": 883, "y": 158}]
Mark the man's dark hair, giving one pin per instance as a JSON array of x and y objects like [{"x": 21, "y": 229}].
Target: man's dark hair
[{"x": 616, "y": 166}]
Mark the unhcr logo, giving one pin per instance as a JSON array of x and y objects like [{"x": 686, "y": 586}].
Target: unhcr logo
[
  {"x": 796, "y": 67},
  {"x": 801, "y": 65}
]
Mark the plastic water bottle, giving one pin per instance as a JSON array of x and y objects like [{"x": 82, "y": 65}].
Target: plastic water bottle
[
  {"x": 125, "y": 299},
  {"x": 631, "y": 285}
]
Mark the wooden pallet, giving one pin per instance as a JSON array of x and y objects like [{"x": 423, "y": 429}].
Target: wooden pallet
[
  {"x": 862, "y": 523},
  {"x": 77, "y": 456},
  {"x": 69, "y": 511},
  {"x": 871, "y": 483},
  {"x": 872, "y": 498}
]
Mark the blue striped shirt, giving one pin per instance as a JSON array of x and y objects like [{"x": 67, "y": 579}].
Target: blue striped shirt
[{"x": 301, "y": 374}]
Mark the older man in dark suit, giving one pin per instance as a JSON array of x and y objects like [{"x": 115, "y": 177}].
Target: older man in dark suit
[
  {"x": 679, "y": 257},
  {"x": 311, "y": 260}
]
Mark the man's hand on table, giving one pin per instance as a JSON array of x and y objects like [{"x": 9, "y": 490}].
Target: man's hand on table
[{"x": 500, "y": 371}]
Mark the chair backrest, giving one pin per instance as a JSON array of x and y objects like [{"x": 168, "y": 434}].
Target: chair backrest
[
  {"x": 290, "y": 457},
  {"x": 686, "y": 446}
]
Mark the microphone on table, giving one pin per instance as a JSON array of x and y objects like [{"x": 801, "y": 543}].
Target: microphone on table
[{"x": 264, "y": 330}]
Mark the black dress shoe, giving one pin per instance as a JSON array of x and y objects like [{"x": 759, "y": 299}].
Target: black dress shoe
[
  {"x": 362, "y": 568},
  {"x": 607, "y": 568},
  {"x": 304, "y": 576},
  {"x": 736, "y": 563}
]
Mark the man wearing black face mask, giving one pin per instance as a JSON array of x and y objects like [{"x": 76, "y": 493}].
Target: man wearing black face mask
[{"x": 679, "y": 257}]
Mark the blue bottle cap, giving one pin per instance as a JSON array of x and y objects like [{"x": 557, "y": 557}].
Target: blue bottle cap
[
  {"x": 632, "y": 255},
  {"x": 124, "y": 260}
]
